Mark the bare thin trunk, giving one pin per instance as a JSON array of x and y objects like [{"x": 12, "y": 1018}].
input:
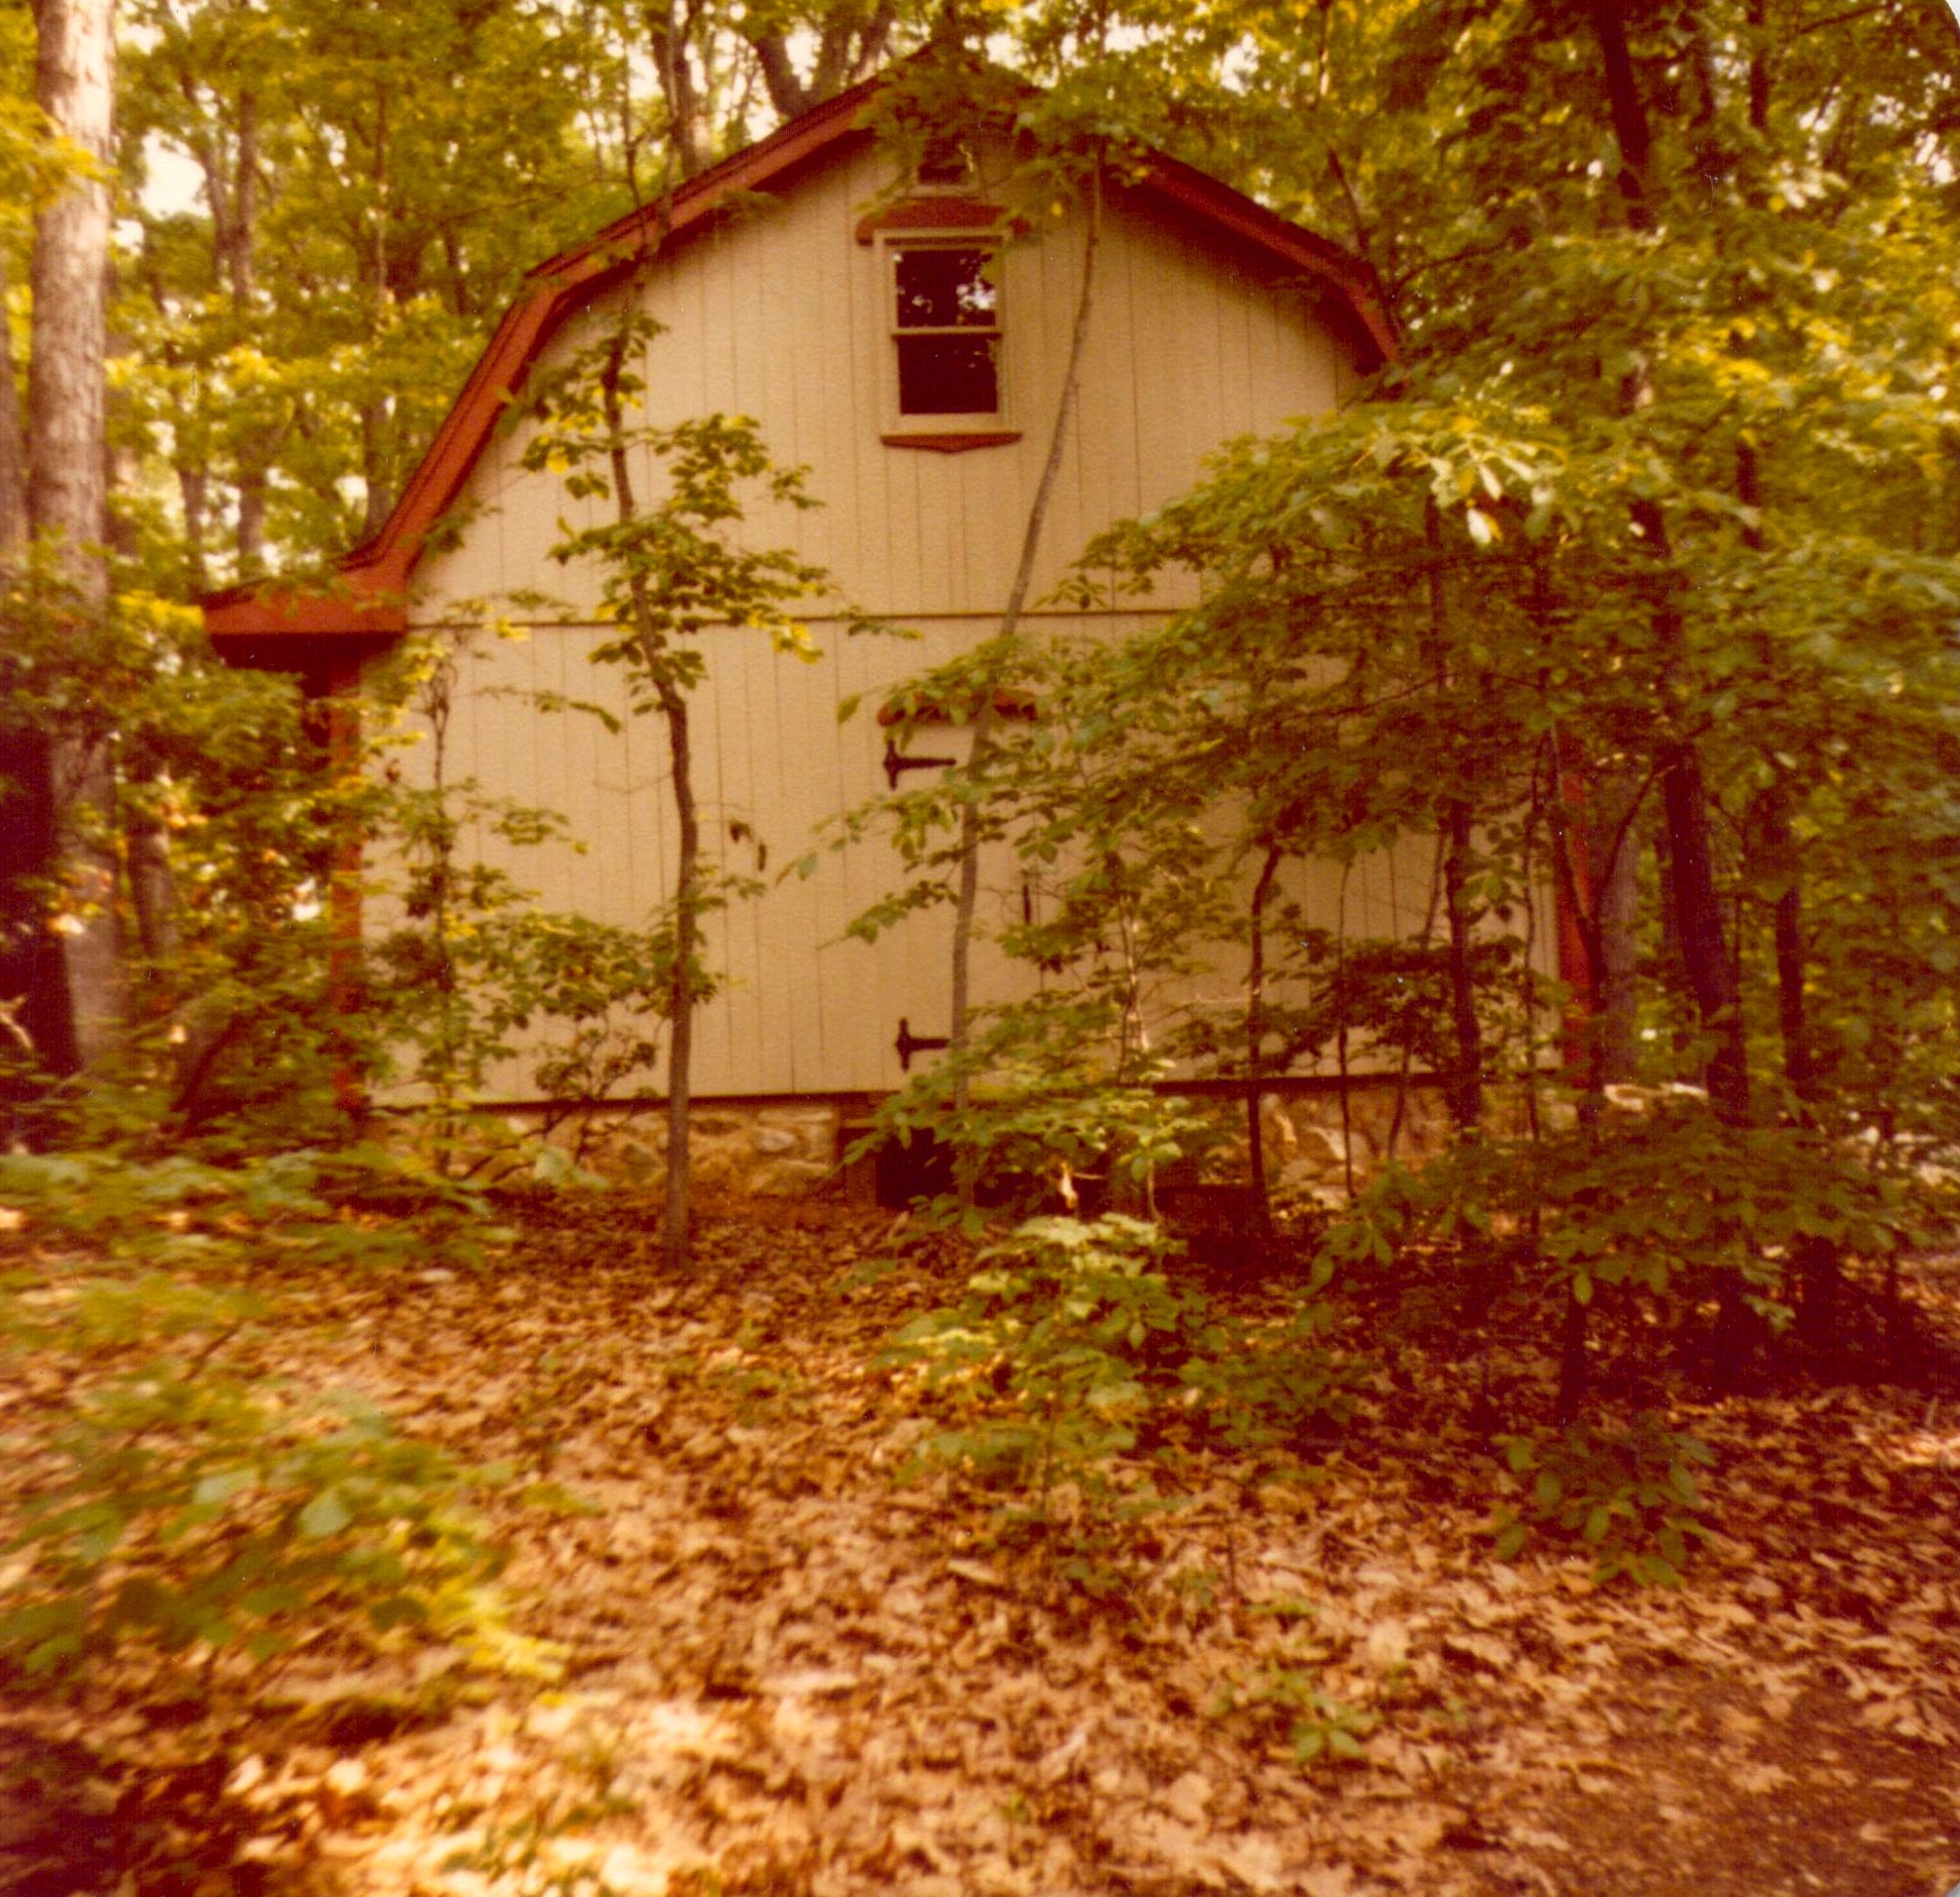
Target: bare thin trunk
[
  {"x": 67, "y": 397},
  {"x": 680, "y": 983},
  {"x": 1256, "y": 1035},
  {"x": 1466, "y": 1078},
  {"x": 687, "y": 893},
  {"x": 959, "y": 1033},
  {"x": 1465, "y": 1088},
  {"x": 1818, "y": 1271},
  {"x": 1341, "y": 1035}
]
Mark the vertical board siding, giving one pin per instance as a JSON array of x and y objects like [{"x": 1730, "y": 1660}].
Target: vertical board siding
[{"x": 782, "y": 315}]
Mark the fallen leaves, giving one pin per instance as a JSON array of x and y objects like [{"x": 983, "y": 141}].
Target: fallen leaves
[{"x": 787, "y": 1670}]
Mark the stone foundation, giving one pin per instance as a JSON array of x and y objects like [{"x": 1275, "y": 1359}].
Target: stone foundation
[
  {"x": 1309, "y": 1142},
  {"x": 793, "y": 1148},
  {"x": 776, "y": 1151}
]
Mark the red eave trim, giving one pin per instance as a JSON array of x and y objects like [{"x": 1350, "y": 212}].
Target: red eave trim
[
  {"x": 955, "y": 444},
  {"x": 1352, "y": 283},
  {"x": 281, "y": 612},
  {"x": 932, "y": 214},
  {"x": 563, "y": 282}
]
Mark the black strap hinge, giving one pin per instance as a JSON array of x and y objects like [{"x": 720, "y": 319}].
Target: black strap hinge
[
  {"x": 908, "y": 1044},
  {"x": 897, "y": 764}
]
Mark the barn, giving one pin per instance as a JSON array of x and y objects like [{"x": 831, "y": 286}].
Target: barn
[{"x": 882, "y": 334}]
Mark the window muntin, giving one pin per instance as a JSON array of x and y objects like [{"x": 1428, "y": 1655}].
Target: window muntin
[{"x": 945, "y": 329}]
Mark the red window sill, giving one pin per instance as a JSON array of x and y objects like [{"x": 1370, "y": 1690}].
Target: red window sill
[{"x": 953, "y": 444}]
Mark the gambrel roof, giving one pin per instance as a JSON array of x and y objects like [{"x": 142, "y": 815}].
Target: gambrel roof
[{"x": 364, "y": 607}]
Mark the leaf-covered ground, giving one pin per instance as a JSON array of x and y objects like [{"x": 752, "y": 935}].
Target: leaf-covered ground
[{"x": 786, "y": 1671}]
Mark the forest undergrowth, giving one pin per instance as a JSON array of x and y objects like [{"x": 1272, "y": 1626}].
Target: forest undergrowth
[{"x": 753, "y": 1639}]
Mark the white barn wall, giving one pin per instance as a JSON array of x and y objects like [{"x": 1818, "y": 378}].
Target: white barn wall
[
  {"x": 804, "y": 1007},
  {"x": 781, "y": 315}
]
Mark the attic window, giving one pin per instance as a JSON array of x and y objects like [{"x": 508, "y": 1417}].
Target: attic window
[{"x": 945, "y": 327}]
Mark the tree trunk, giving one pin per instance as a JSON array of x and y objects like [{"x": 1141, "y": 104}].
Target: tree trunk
[
  {"x": 195, "y": 488},
  {"x": 67, "y": 394},
  {"x": 1818, "y": 1271},
  {"x": 1698, "y": 916},
  {"x": 33, "y": 994},
  {"x": 1256, "y": 1035},
  {"x": 251, "y": 492},
  {"x": 67, "y": 391},
  {"x": 959, "y": 1029},
  {"x": 1465, "y": 1084},
  {"x": 680, "y": 983},
  {"x": 374, "y": 469},
  {"x": 850, "y": 48},
  {"x": 14, "y": 528},
  {"x": 687, "y": 895},
  {"x": 669, "y": 28},
  {"x": 1467, "y": 1077},
  {"x": 1613, "y": 850}
]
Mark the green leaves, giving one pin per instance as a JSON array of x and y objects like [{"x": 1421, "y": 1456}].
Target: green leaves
[
  {"x": 189, "y": 1497},
  {"x": 1072, "y": 1351},
  {"x": 1629, "y": 1497},
  {"x": 1321, "y": 1730}
]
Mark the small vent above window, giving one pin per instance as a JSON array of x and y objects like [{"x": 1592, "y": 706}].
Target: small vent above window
[{"x": 944, "y": 162}]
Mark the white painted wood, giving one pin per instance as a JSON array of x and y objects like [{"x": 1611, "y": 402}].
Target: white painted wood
[{"x": 782, "y": 317}]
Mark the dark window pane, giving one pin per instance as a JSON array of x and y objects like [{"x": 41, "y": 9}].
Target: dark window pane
[
  {"x": 943, "y": 289},
  {"x": 946, "y": 375}
]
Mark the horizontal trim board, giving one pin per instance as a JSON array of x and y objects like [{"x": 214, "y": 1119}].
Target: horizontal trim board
[{"x": 859, "y": 1102}]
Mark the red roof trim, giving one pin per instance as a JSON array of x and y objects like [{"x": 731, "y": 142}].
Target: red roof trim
[
  {"x": 1354, "y": 291},
  {"x": 930, "y": 214},
  {"x": 283, "y": 612},
  {"x": 383, "y": 565}
]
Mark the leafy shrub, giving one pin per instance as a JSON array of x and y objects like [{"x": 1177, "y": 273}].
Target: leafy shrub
[
  {"x": 203, "y": 1508},
  {"x": 1647, "y": 1221},
  {"x": 1054, "y": 1340},
  {"x": 1628, "y": 1496},
  {"x": 359, "y": 1205},
  {"x": 1319, "y": 1729},
  {"x": 184, "y": 1496},
  {"x": 1072, "y": 1348},
  {"x": 1040, "y": 1126}
]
